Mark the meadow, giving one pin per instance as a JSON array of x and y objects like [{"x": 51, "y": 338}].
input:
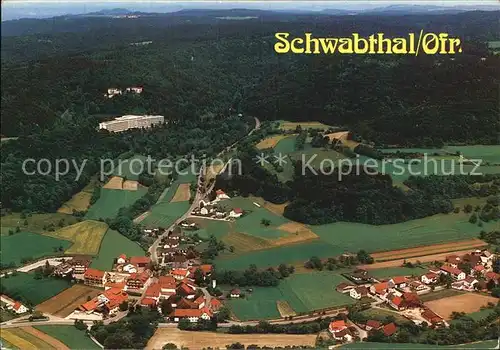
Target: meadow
[
  {"x": 69, "y": 335},
  {"x": 112, "y": 245},
  {"x": 86, "y": 236},
  {"x": 25, "y": 287},
  {"x": 111, "y": 201},
  {"x": 36, "y": 223},
  {"x": 165, "y": 214},
  {"x": 130, "y": 168},
  {"x": 28, "y": 245},
  {"x": 20, "y": 338},
  {"x": 287, "y": 125},
  {"x": 303, "y": 292}
]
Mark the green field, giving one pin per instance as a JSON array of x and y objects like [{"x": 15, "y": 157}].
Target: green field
[
  {"x": 23, "y": 286},
  {"x": 477, "y": 316},
  {"x": 278, "y": 255},
  {"x": 430, "y": 230},
  {"x": 397, "y": 271},
  {"x": 69, "y": 335},
  {"x": 286, "y": 145},
  {"x": 488, "y": 153},
  {"x": 250, "y": 222},
  {"x": 303, "y": 292},
  {"x": 313, "y": 291},
  {"x": 36, "y": 222},
  {"x": 111, "y": 201},
  {"x": 28, "y": 245},
  {"x": 130, "y": 168},
  {"x": 258, "y": 305},
  {"x": 381, "y": 315},
  {"x": 164, "y": 214},
  {"x": 112, "y": 245}
]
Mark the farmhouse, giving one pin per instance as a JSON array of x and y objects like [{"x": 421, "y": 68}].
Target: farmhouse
[
  {"x": 142, "y": 262},
  {"x": 220, "y": 194},
  {"x": 236, "y": 213},
  {"x": 105, "y": 303},
  {"x": 93, "y": 277},
  {"x": 372, "y": 324},
  {"x": 13, "y": 305},
  {"x": 398, "y": 282},
  {"x": 358, "y": 292},
  {"x": 180, "y": 274},
  {"x": 167, "y": 286},
  {"x": 186, "y": 290},
  {"x": 235, "y": 293},
  {"x": 380, "y": 289},
  {"x": 453, "y": 260},
  {"x": 193, "y": 315},
  {"x": 395, "y": 302},
  {"x": 429, "y": 278},
  {"x": 339, "y": 331},
  {"x": 138, "y": 280},
  {"x": 431, "y": 317},
  {"x": 122, "y": 259},
  {"x": 453, "y": 272},
  {"x": 344, "y": 287}
]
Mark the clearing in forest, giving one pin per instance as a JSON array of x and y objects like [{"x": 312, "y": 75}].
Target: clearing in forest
[
  {"x": 270, "y": 142},
  {"x": 285, "y": 125}
]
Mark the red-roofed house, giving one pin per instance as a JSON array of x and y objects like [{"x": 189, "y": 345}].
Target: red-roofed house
[
  {"x": 191, "y": 314},
  {"x": 138, "y": 280},
  {"x": 453, "y": 272},
  {"x": 339, "y": 330},
  {"x": 380, "y": 289},
  {"x": 140, "y": 261},
  {"x": 431, "y": 317},
  {"x": 372, "y": 324},
  {"x": 149, "y": 302},
  {"x": 395, "y": 302},
  {"x": 168, "y": 285},
  {"x": 453, "y": 260},
  {"x": 492, "y": 276},
  {"x": 5, "y": 299},
  {"x": 153, "y": 291},
  {"x": 411, "y": 300},
  {"x": 93, "y": 277},
  {"x": 235, "y": 293},
  {"x": 200, "y": 301},
  {"x": 215, "y": 305},
  {"x": 220, "y": 194},
  {"x": 399, "y": 281},
  {"x": 186, "y": 290},
  {"x": 180, "y": 274},
  {"x": 19, "y": 308},
  {"x": 358, "y": 292},
  {"x": 122, "y": 259},
  {"x": 479, "y": 269},
  {"x": 115, "y": 298},
  {"x": 236, "y": 213},
  {"x": 429, "y": 278},
  {"x": 389, "y": 329}
]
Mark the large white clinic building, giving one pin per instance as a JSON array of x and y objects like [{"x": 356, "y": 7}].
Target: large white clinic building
[{"x": 131, "y": 122}]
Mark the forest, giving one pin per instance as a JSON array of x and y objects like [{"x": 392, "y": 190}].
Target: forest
[{"x": 199, "y": 64}]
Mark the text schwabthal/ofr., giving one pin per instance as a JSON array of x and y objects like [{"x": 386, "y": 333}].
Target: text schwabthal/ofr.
[{"x": 413, "y": 44}]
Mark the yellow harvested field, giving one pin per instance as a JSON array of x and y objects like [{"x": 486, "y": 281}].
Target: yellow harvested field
[
  {"x": 80, "y": 201},
  {"x": 303, "y": 125},
  {"x": 182, "y": 194},
  {"x": 64, "y": 303},
  {"x": 270, "y": 142},
  {"x": 297, "y": 232},
  {"x": 341, "y": 135},
  {"x": 115, "y": 183},
  {"x": 22, "y": 339},
  {"x": 200, "y": 340},
  {"x": 285, "y": 309},
  {"x": 86, "y": 236},
  {"x": 468, "y": 303},
  {"x": 243, "y": 242}
]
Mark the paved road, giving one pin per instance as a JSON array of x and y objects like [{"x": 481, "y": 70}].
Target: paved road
[{"x": 199, "y": 195}]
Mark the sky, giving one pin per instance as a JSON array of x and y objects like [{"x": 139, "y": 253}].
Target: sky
[{"x": 14, "y": 9}]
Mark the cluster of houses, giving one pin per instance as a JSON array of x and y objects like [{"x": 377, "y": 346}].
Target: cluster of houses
[
  {"x": 213, "y": 210},
  {"x": 177, "y": 251},
  {"x": 13, "y": 306},
  {"x": 112, "y": 92},
  {"x": 184, "y": 297},
  {"x": 340, "y": 331}
]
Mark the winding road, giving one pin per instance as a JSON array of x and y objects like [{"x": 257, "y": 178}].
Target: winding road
[{"x": 153, "y": 250}]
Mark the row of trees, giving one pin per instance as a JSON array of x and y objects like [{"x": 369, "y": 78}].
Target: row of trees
[{"x": 253, "y": 276}]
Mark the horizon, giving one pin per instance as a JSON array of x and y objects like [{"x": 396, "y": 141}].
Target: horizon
[{"x": 39, "y": 9}]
